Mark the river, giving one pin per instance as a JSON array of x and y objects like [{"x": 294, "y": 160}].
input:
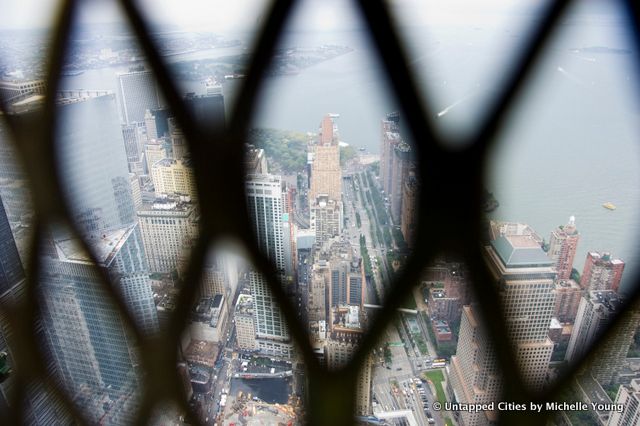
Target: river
[{"x": 570, "y": 145}]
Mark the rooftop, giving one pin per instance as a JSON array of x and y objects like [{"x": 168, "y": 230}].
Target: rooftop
[
  {"x": 519, "y": 251},
  {"x": 167, "y": 204},
  {"x": 244, "y": 305},
  {"x": 105, "y": 246},
  {"x": 609, "y": 299}
]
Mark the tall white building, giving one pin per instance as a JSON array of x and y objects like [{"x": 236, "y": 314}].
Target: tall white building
[
  {"x": 594, "y": 313},
  {"x": 137, "y": 93},
  {"x": 629, "y": 398},
  {"x": 264, "y": 200}
]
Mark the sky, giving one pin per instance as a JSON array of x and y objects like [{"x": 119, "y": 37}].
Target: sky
[{"x": 225, "y": 15}]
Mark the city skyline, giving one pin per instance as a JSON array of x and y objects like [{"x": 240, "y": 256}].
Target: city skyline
[{"x": 337, "y": 221}]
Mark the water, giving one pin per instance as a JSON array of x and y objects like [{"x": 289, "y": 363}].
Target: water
[
  {"x": 570, "y": 146},
  {"x": 272, "y": 391}
]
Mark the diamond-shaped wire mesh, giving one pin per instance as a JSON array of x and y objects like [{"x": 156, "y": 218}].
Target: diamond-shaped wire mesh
[{"x": 453, "y": 177}]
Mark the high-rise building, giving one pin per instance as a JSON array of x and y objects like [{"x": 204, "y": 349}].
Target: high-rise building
[
  {"x": 150, "y": 125},
  {"x": 401, "y": 167},
  {"x": 343, "y": 273},
  {"x": 161, "y": 118},
  {"x": 168, "y": 227},
  {"x": 563, "y": 244},
  {"x": 524, "y": 276},
  {"x": 154, "y": 151},
  {"x": 87, "y": 337},
  {"x": 92, "y": 155},
  {"x": 594, "y": 313},
  {"x": 207, "y": 109},
  {"x": 133, "y": 140},
  {"x": 326, "y": 174},
  {"x": 390, "y": 137},
  {"x": 475, "y": 374},
  {"x": 568, "y": 295},
  {"x": 346, "y": 330},
  {"x": 244, "y": 321},
  {"x": 629, "y": 398},
  {"x": 39, "y": 407},
  {"x": 289, "y": 247},
  {"x": 611, "y": 354},
  {"x": 179, "y": 147},
  {"x": 13, "y": 91},
  {"x": 11, "y": 271},
  {"x": 264, "y": 199},
  {"x": 255, "y": 161},
  {"x": 319, "y": 282},
  {"x": 136, "y": 190},
  {"x": 408, "y": 219},
  {"x": 137, "y": 93},
  {"x": 174, "y": 177},
  {"x": 601, "y": 272},
  {"x": 326, "y": 218}
]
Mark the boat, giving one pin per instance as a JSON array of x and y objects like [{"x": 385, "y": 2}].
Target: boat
[{"x": 609, "y": 206}]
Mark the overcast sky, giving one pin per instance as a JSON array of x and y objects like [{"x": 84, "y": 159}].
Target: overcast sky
[{"x": 225, "y": 15}]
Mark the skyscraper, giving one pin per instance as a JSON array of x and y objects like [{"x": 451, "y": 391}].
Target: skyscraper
[
  {"x": 92, "y": 155},
  {"x": 408, "y": 219},
  {"x": 401, "y": 166},
  {"x": 629, "y": 398},
  {"x": 255, "y": 160},
  {"x": 475, "y": 375},
  {"x": 174, "y": 177},
  {"x": 346, "y": 328},
  {"x": 595, "y": 311},
  {"x": 563, "y": 244},
  {"x": 40, "y": 408},
  {"x": 326, "y": 218},
  {"x": 207, "y": 109},
  {"x": 524, "y": 276},
  {"x": 264, "y": 199},
  {"x": 611, "y": 353},
  {"x": 137, "y": 93},
  {"x": 89, "y": 341},
  {"x": 133, "y": 141},
  {"x": 326, "y": 175},
  {"x": 168, "y": 228},
  {"x": 568, "y": 295},
  {"x": 601, "y": 272},
  {"x": 390, "y": 137},
  {"x": 11, "y": 271}
]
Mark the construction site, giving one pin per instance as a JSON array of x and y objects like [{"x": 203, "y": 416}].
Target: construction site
[{"x": 246, "y": 409}]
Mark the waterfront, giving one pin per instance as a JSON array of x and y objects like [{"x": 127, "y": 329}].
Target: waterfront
[{"x": 572, "y": 144}]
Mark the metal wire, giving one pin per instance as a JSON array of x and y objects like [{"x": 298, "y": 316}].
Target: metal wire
[{"x": 452, "y": 176}]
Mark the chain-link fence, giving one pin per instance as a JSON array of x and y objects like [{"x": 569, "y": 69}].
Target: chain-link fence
[{"x": 453, "y": 225}]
